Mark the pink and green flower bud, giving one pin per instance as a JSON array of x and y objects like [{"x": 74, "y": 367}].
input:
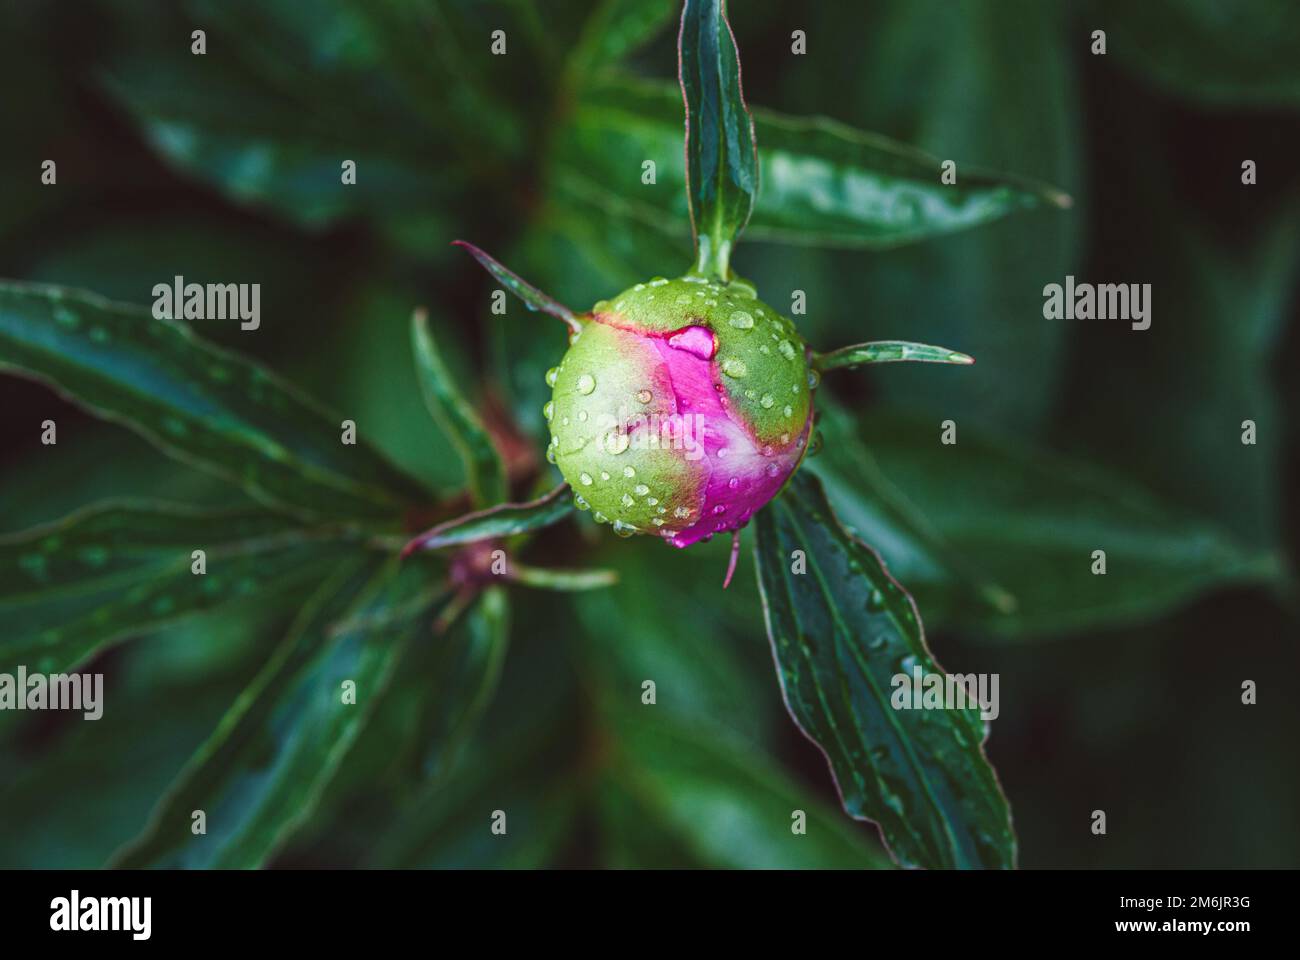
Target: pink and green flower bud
[{"x": 681, "y": 408}]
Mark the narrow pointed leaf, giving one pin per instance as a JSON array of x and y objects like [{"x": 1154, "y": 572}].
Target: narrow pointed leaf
[
  {"x": 559, "y": 578},
  {"x": 201, "y": 404},
  {"x": 464, "y": 672},
  {"x": 453, "y": 413},
  {"x": 261, "y": 774},
  {"x": 533, "y": 298},
  {"x": 505, "y": 520},
  {"x": 888, "y": 351},
  {"x": 824, "y": 183},
  {"x": 721, "y": 160},
  {"x": 841, "y": 633},
  {"x": 615, "y": 29},
  {"x": 71, "y": 588}
]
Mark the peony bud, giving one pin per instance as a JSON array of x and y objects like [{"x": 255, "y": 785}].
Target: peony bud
[{"x": 681, "y": 408}]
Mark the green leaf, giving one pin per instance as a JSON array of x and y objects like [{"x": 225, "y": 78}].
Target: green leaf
[
  {"x": 293, "y": 93},
  {"x": 456, "y": 416},
  {"x": 841, "y": 633},
  {"x": 72, "y": 587},
  {"x": 525, "y": 759},
  {"x": 562, "y": 579},
  {"x": 261, "y": 774},
  {"x": 1222, "y": 54},
  {"x": 883, "y": 514},
  {"x": 887, "y": 351},
  {"x": 949, "y": 77},
  {"x": 206, "y": 406},
  {"x": 615, "y": 29},
  {"x": 504, "y": 520},
  {"x": 721, "y": 159},
  {"x": 824, "y": 183},
  {"x": 533, "y": 298},
  {"x": 721, "y": 803},
  {"x": 1029, "y": 520}
]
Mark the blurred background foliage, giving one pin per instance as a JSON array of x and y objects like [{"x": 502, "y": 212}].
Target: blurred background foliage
[{"x": 1119, "y": 693}]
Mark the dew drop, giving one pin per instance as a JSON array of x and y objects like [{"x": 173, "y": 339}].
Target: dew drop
[
  {"x": 551, "y": 376},
  {"x": 616, "y": 441},
  {"x": 644, "y": 396},
  {"x": 550, "y": 454},
  {"x": 585, "y": 479},
  {"x": 766, "y": 401},
  {"x": 624, "y": 529},
  {"x": 788, "y": 410},
  {"x": 773, "y": 469},
  {"x": 600, "y": 517},
  {"x": 681, "y": 513},
  {"x": 627, "y": 501},
  {"x": 733, "y": 483},
  {"x": 654, "y": 502},
  {"x": 582, "y": 416},
  {"x": 586, "y": 384},
  {"x": 604, "y": 475},
  {"x": 719, "y": 509},
  {"x": 734, "y": 367},
  {"x": 580, "y": 502},
  {"x": 641, "y": 490},
  {"x": 741, "y": 320},
  {"x": 629, "y": 472},
  {"x": 548, "y": 411},
  {"x": 786, "y": 349},
  {"x": 814, "y": 378}
]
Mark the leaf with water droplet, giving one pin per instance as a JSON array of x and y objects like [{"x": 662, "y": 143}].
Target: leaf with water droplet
[{"x": 932, "y": 796}]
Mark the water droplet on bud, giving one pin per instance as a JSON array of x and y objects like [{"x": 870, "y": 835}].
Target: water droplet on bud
[
  {"x": 586, "y": 384},
  {"x": 741, "y": 320},
  {"x": 551, "y": 375},
  {"x": 616, "y": 441},
  {"x": 548, "y": 411},
  {"x": 734, "y": 367}
]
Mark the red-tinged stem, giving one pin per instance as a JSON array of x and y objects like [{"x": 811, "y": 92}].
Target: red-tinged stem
[{"x": 735, "y": 556}]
